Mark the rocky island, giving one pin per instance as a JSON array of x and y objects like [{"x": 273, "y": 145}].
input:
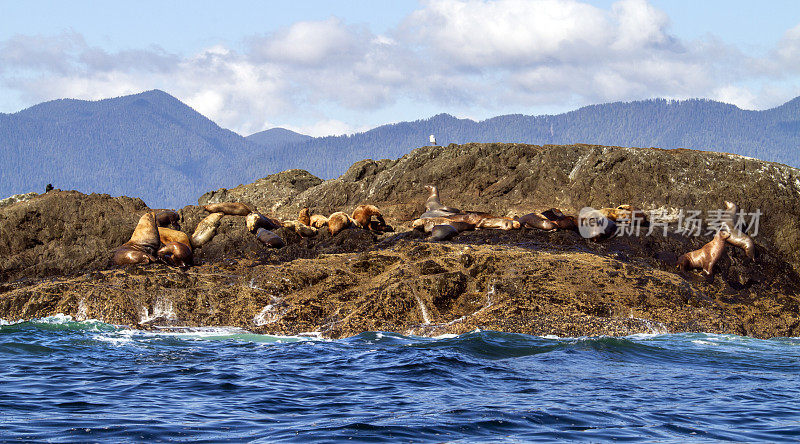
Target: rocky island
[{"x": 55, "y": 251}]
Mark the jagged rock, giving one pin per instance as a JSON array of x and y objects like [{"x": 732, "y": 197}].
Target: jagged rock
[
  {"x": 525, "y": 281},
  {"x": 64, "y": 232},
  {"x": 269, "y": 194}
]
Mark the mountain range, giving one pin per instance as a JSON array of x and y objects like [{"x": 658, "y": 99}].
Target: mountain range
[{"x": 153, "y": 146}]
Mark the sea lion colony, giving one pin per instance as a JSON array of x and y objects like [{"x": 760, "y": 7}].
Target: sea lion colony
[{"x": 153, "y": 242}]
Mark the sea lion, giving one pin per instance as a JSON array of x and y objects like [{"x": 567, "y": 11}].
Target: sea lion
[
  {"x": 145, "y": 235},
  {"x": 206, "y": 229},
  {"x": 472, "y": 217},
  {"x": 592, "y": 224},
  {"x": 229, "y": 208},
  {"x": 168, "y": 217},
  {"x": 560, "y": 220},
  {"x": 499, "y": 223},
  {"x": 256, "y": 220},
  {"x": 362, "y": 217},
  {"x": 707, "y": 256},
  {"x": 300, "y": 228},
  {"x": 338, "y": 221},
  {"x": 318, "y": 221},
  {"x": 738, "y": 238},
  {"x": 443, "y": 232},
  {"x": 129, "y": 255},
  {"x": 176, "y": 254},
  {"x": 428, "y": 223},
  {"x": 535, "y": 220},
  {"x": 269, "y": 238},
  {"x": 434, "y": 204},
  {"x": 626, "y": 212},
  {"x": 569, "y": 223},
  {"x": 304, "y": 217},
  {"x": 168, "y": 235},
  {"x": 553, "y": 214},
  {"x": 380, "y": 227},
  {"x": 143, "y": 244}
]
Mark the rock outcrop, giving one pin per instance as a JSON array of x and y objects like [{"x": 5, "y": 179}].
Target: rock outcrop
[{"x": 55, "y": 250}]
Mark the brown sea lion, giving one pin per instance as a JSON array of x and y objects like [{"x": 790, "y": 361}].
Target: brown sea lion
[
  {"x": 626, "y": 212},
  {"x": 145, "y": 235},
  {"x": 707, "y": 256},
  {"x": 304, "y": 217},
  {"x": 433, "y": 204},
  {"x": 498, "y": 223},
  {"x": 318, "y": 221},
  {"x": 472, "y": 217},
  {"x": 566, "y": 223},
  {"x": 738, "y": 238},
  {"x": 176, "y": 254},
  {"x": 168, "y": 235},
  {"x": 255, "y": 220},
  {"x": 443, "y": 232},
  {"x": 536, "y": 220},
  {"x": 269, "y": 238},
  {"x": 206, "y": 229},
  {"x": 229, "y": 208},
  {"x": 338, "y": 221},
  {"x": 362, "y": 217},
  {"x": 129, "y": 255},
  {"x": 168, "y": 217},
  {"x": 300, "y": 228},
  {"x": 143, "y": 244}
]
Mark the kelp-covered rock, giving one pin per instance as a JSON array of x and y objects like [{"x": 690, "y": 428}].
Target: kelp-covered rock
[{"x": 525, "y": 281}]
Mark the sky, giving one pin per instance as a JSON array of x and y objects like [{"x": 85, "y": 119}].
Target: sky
[{"x": 324, "y": 67}]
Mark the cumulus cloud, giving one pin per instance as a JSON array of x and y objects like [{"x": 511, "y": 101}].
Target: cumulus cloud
[
  {"x": 311, "y": 44},
  {"x": 477, "y": 56}
]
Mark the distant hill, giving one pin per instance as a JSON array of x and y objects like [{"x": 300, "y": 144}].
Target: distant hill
[
  {"x": 148, "y": 145},
  {"x": 772, "y": 135},
  {"x": 153, "y": 146},
  {"x": 277, "y": 137}
]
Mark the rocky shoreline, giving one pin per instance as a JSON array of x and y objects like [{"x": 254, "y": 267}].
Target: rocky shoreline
[{"x": 55, "y": 251}]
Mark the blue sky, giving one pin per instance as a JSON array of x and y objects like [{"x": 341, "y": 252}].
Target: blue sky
[{"x": 331, "y": 67}]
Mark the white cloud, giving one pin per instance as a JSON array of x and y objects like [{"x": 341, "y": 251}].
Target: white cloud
[
  {"x": 311, "y": 44},
  {"x": 639, "y": 25},
  {"x": 327, "y": 127},
  {"x": 482, "y": 34},
  {"x": 741, "y": 97},
  {"x": 475, "y": 55}
]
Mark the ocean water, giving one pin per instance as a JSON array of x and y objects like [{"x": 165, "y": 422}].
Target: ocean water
[{"x": 62, "y": 380}]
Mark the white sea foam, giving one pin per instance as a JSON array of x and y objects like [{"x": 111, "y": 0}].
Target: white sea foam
[
  {"x": 644, "y": 336},
  {"x": 446, "y": 336},
  {"x": 83, "y": 310},
  {"x": 58, "y": 318},
  {"x": 162, "y": 309},
  {"x": 271, "y": 313},
  {"x": 120, "y": 337}
]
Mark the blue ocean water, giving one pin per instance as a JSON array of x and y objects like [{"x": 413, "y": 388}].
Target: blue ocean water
[{"x": 87, "y": 381}]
